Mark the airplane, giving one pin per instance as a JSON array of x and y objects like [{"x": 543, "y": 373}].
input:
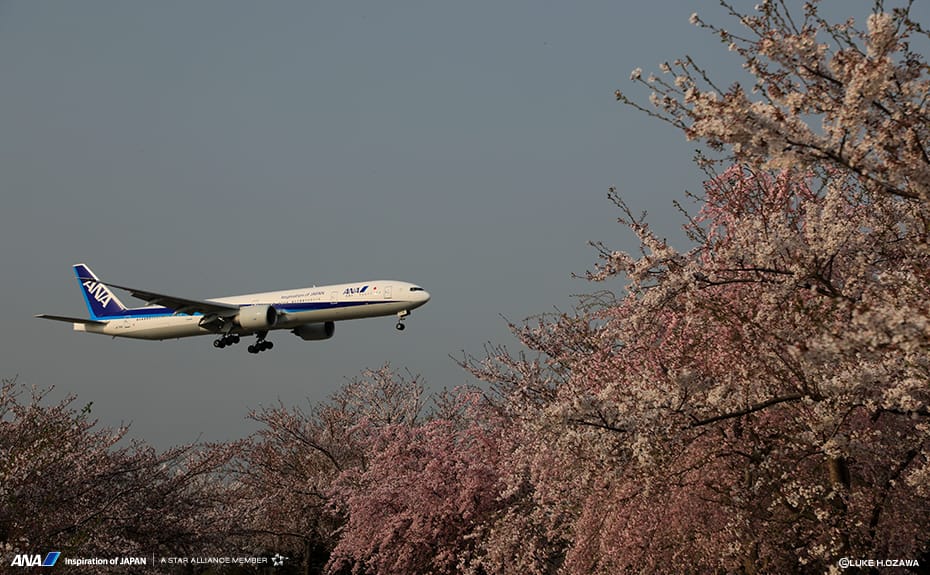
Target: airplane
[{"x": 310, "y": 313}]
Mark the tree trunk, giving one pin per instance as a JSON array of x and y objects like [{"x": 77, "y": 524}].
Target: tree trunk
[{"x": 840, "y": 481}]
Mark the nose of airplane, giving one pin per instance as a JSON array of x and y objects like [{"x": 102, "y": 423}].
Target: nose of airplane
[{"x": 418, "y": 296}]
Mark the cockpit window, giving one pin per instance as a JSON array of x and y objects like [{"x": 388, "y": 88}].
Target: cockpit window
[{"x": 417, "y": 289}]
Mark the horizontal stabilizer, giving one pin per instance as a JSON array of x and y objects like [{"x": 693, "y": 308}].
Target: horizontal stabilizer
[{"x": 71, "y": 319}]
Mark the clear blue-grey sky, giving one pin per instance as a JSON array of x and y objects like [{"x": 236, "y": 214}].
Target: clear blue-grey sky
[{"x": 211, "y": 148}]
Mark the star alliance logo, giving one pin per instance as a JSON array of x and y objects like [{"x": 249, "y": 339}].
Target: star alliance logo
[{"x": 278, "y": 560}]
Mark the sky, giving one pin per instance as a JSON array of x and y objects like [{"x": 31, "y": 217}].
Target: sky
[{"x": 206, "y": 149}]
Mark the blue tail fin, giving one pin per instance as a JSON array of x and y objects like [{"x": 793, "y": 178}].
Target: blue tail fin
[{"x": 101, "y": 302}]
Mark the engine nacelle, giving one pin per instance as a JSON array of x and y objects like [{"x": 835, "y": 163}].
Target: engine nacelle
[
  {"x": 257, "y": 317},
  {"x": 315, "y": 331}
]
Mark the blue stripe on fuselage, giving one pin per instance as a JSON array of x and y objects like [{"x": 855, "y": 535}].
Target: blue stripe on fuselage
[
  {"x": 147, "y": 312},
  {"x": 318, "y": 305}
]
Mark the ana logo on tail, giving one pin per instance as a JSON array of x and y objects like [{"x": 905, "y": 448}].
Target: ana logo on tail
[{"x": 99, "y": 292}]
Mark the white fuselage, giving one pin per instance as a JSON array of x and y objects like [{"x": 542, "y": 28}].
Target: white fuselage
[{"x": 295, "y": 307}]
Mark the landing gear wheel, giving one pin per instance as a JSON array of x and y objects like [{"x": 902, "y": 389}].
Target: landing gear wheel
[
  {"x": 401, "y": 316},
  {"x": 228, "y": 339},
  {"x": 261, "y": 344}
]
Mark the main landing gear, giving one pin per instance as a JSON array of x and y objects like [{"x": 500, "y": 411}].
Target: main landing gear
[
  {"x": 228, "y": 339},
  {"x": 401, "y": 316},
  {"x": 261, "y": 344},
  {"x": 233, "y": 338}
]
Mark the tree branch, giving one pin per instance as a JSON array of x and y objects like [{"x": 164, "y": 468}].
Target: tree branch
[{"x": 748, "y": 410}]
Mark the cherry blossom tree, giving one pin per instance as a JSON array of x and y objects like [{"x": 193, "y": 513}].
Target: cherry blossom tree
[
  {"x": 419, "y": 502},
  {"x": 68, "y": 484},
  {"x": 823, "y": 94},
  {"x": 758, "y": 403},
  {"x": 288, "y": 468}
]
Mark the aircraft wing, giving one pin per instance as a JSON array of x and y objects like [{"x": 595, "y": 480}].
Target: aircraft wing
[
  {"x": 71, "y": 319},
  {"x": 179, "y": 304}
]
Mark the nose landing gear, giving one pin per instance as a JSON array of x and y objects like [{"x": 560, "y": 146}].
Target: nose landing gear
[{"x": 401, "y": 316}]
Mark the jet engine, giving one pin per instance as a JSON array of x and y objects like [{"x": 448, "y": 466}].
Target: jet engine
[
  {"x": 315, "y": 331},
  {"x": 257, "y": 317}
]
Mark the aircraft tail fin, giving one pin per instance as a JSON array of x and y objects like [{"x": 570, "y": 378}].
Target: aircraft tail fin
[{"x": 102, "y": 303}]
